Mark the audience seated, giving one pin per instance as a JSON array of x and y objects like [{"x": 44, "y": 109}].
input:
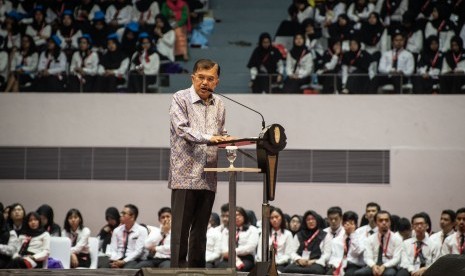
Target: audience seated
[
  {"x": 84, "y": 66},
  {"x": 447, "y": 224},
  {"x": 214, "y": 242},
  {"x": 79, "y": 235},
  {"x": 281, "y": 240},
  {"x": 112, "y": 218},
  {"x": 23, "y": 66},
  {"x": 295, "y": 224},
  {"x": 46, "y": 217},
  {"x": 355, "y": 68},
  {"x": 158, "y": 242},
  {"x": 453, "y": 68},
  {"x": 177, "y": 13},
  {"x": 127, "y": 241},
  {"x": 347, "y": 249},
  {"x": 429, "y": 68},
  {"x": 16, "y": 217},
  {"x": 39, "y": 30},
  {"x": 309, "y": 245},
  {"x": 329, "y": 68},
  {"x": 165, "y": 38},
  {"x": 51, "y": 71},
  {"x": 419, "y": 252},
  {"x": 266, "y": 65},
  {"x": 8, "y": 242},
  {"x": 34, "y": 244},
  {"x": 246, "y": 243},
  {"x": 455, "y": 243},
  {"x": 299, "y": 66}
]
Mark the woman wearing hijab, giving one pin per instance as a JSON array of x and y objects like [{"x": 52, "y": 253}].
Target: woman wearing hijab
[
  {"x": 113, "y": 67},
  {"x": 343, "y": 30},
  {"x": 177, "y": 12},
  {"x": 266, "y": 65},
  {"x": 118, "y": 14},
  {"x": 331, "y": 65},
  {"x": 355, "y": 66},
  {"x": 39, "y": 30},
  {"x": 34, "y": 244},
  {"x": 313, "y": 37},
  {"x": 144, "y": 12},
  {"x": 391, "y": 11},
  {"x": 84, "y": 13},
  {"x": 46, "y": 218},
  {"x": 84, "y": 66},
  {"x": 145, "y": 64},
  {"x": 8, "y": 242},
  {"x": 453, "y": 68},
  {"x": 23, "y": 66},
  {"x": 310, "y": 244},
  {"x": 10, "y": 31},
  {"x": 129, "y": 36},
  {"x": 99, "y": 31},
  {"x": 51, "y": 73},
  {"x": 280, "y": 239},
  {"x": 429, "y": 68},
  {"x": 359, "y": 10},
  {"x": 299, "y": 66},
  {"x": 68, "y": 33},
  {"x": 441, "y": 26},
  {"x": 165, "y": 38},
  {"x": 246, "y": 243},
  {"x": 375, "y": 36},
  {"x": 79, "y": 235},
  {"x": 294, "y": 224}
]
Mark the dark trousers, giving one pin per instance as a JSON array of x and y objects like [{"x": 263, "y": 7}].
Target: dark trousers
[
  {"x": 313, "y": 269},
  {"x": 403, "y": 272},
  {"x": 247, "y": 260},
  {"x": 154, "y": 262},
  {"x": 86, "y": 84},
  {"x": 191, "y": 210},
  {"x": 348, "y": 271},
  {"x": 367, "y": 271},
  {"x": 50, "y": 83},
  {"x": 136, "y": 82},
  {"x": 107, "y": 84}
]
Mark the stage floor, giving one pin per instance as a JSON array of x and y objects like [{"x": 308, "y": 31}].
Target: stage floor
[{"x": 100, "y": 272}]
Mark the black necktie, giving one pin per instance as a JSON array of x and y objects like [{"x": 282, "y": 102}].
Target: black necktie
[
  {"x": 371, "y": 232},
  {"x": 380, "y": 251},
  {"x": 420, "y": 254},
  {"x": 347, "y": 246},
  {"x": 462, "y": 240},
  {"x": 126, "y": 241},
  {"x": 162, "y": 239},
  {"x": 334, "y": 234},
  {"x": 275, "y": 242},
  {"x": 237, "y": 236}
]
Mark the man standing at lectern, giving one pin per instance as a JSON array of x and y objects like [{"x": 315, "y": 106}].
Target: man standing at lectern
[{"x": 197, "y": 117}]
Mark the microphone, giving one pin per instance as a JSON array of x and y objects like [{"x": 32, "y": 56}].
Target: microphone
[{"x": 263, "y": 119}]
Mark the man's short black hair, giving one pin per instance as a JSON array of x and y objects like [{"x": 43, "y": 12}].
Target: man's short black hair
[
  {"x": 164, "y": 210},
  {"x": 382, "y": 212},
  {"x": 206, "y": 64},
  {"x": 225, "y": 208},
  {"x": 350, "y": 215},
  {"x": 133, "y": 210},
  {"x": 450, "y": 213},
  {"x": 334, "y": 210},
  {"x": 373, "y": 204}
]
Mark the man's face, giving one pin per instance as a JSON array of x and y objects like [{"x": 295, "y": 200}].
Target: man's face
[
  {"x": 446, "y": 223},
  {"x": 126, "y": 216},
  {"x": 419, "y": 226},
  {"x": 205, "y": 81},
  {"x": 166, "y": 216},
  {"x": 398, "y": 42},
  {"x": 383, "y": 222},
  {"x": 334, "y": 221},
  {"x": 460, "y": 221},
  {"x": 370, "y": 213},
  {"x": 349, "y": 226},
  {"x": 225, "y": 218}
]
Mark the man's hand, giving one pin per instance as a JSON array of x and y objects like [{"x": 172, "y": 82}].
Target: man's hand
[
  {"x": 166, "y": 227},
  {"x": 419, "y": 272},
  {"x": 117, "y": 264},
  {"x": 219, "y": 138},
  {"x": 74, "y": 261},
  {"x": 302, "y": 262}
]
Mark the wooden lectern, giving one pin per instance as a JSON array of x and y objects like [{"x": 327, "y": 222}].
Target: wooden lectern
[{"x": 270, "y": 142}]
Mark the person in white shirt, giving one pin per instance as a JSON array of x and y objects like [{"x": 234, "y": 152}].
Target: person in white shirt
[
  {"x": 145, "y": 64},
  {"x": 9, "y": 243},
  {"x": 441, "y": 26},
  {"x": 69, "y": 33},
  {"x": 158, "y": 242},
  {"x": 334, "y": 217},
  {"x": 371, "y": 228},
  {"x": 419, "y": 252},
  {"x": 280, "y": 239},
  {"x": 327, "y": 13},
  {"x": 455, "y": 243},
  {"x": 383, "y": 250},
  {"x": 299, "y": 66},
  {"x": 214, "y": 241},
  {"x": 128, "y": 240},
  {"x": 246, "y": 243},
  {"x": 391, "y": 11},
  {"x": 447, "y": 224},
  {"x": 165, "y": 38},
  {"x": 84, "y": 66},
  {"x": 144, "y": 12},
  {"x": 396, "y": 65},
  {"x": 23, "y": 65},
  {"x": 346, "y": 250},
  {"x": 34, "y": 244},
  {"x": 10, "y": 30},
  {"x": 429, "y": 67},
  {"x": 452, "y": 80},
  {"x": 118, "y": 14},
  {"x": 52, "y": 67},
  {"x": 309, "y": 246},
  {"x": 359, "y": 10},
  {"x": 79, "y": 235},
  {"x": 39, "y": 30}
]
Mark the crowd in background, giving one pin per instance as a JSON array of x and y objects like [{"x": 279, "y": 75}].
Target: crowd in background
[
  {"x": 364, "y": 46},
  {"x": 339, "y": 244},
  {"x": 92, "y": 45}
]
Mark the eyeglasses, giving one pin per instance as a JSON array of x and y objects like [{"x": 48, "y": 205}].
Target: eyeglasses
[
  {"x": 202, "y": 78},
  {"x": 123, "y": 213}
]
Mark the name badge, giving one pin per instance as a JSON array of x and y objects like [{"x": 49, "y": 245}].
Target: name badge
[{"x": 306, "y": 254}]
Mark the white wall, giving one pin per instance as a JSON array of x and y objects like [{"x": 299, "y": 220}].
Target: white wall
[{"x": 426, "y": 136}]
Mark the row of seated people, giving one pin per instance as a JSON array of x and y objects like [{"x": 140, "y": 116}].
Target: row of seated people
[
  {"x": 352, "y": 69},
  {"x": 373, "y": 23},
  {"x": 49, "y": 70},
  {"x": 99, "y": 18},
  {"x": 306, "y": 245}
]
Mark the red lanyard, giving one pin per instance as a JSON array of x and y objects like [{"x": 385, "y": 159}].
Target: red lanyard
[
  {"x": 461, "y": 247},
  {"x": 441, "y": 26},
  {"x": 356, "y": 57},
  {"x": 457, "y": 58},
  {"x": 387, "y": 242},
  {"x": 433, "y": 62},
  {"x": 388, "y": 7},
  {"x": 425, "y": 6},
  {"x": 416, "y": 251},
  {"x": 307, "y": 242},
  {"x": 237, "y": 236}
]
